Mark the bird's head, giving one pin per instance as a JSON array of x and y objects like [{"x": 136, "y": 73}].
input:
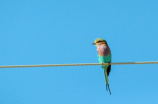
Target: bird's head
[{"x": 99, "y": 41}]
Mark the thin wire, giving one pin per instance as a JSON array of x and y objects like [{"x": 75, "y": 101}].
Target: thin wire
[{"x": 84, "y": 64}]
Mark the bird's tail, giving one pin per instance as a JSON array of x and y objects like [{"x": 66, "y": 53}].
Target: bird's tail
[
  {"x": 107, "y": 81},
  {"x": 108, "y": 88},
  {"x": 106, "y": 76}
]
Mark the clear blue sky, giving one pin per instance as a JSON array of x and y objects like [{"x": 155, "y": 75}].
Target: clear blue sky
[{"x": 61, "y": 32}]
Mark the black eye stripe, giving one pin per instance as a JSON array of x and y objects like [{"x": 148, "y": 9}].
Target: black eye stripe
[{"x": 99, "y": 41}]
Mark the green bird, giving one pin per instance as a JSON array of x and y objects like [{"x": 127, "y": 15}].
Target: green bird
[{"x": 104, "y": 56}]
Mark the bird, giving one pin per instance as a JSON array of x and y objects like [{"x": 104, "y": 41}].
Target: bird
[{"x": 104, "y": 56}]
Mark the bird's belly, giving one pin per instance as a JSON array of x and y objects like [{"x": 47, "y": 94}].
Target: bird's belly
[{"x": 104, "y": 59}]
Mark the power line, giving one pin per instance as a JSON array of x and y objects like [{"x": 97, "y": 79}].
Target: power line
[{"x": 84, "y": 64}]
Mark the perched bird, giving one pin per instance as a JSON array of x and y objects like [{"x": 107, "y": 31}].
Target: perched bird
[{"x": 104, "y": 56}]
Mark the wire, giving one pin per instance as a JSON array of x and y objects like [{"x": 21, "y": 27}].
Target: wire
[{"x": 84, "y": 64}]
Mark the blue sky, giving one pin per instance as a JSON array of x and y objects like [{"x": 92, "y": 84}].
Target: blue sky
[{"x": 61, "y": 32}]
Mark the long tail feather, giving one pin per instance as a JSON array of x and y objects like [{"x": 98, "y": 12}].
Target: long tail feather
[
  {"x": 107, "y": 81},
  {"x": 108, "y": 88},
  {"x": 106, "y": 77}
]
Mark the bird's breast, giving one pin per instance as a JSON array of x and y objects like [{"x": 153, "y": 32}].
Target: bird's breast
[{"x": 103, "y": 50}]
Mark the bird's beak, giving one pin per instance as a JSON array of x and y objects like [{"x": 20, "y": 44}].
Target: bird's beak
[{"x": 93, "y": 43}]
